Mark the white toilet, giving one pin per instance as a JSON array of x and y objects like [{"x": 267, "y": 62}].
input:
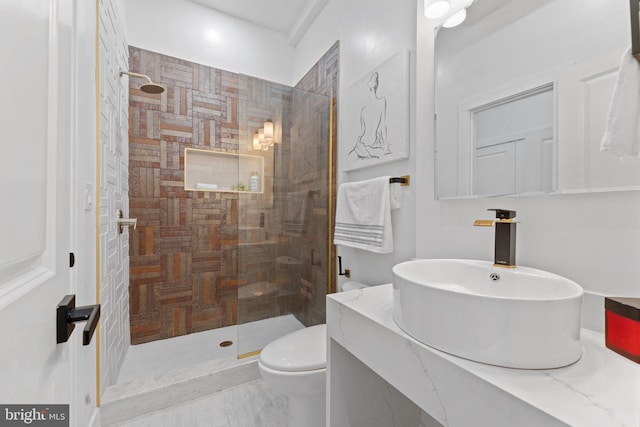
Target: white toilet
[{"x": 296, "y": 366}]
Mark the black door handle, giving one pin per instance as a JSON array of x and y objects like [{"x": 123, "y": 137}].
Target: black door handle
[{"x": 67, "y": 314}]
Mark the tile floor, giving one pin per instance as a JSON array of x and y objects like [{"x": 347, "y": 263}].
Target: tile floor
[
  {"x": 252, "y": 404},
  {"x": 246, "y": 405}
]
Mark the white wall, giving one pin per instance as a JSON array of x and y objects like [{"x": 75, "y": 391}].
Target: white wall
[
  {"x": 114, "y": 187},
  {"x": 593, "y": 239},
  {"x": 370, "y": 32},
  {"x": 190, "y": 31}
]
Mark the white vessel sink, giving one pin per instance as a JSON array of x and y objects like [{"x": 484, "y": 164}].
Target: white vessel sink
[{"x": 526, "y": 318}]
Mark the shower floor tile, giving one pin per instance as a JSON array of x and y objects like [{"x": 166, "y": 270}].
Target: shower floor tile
[
  {"x": 159, "y": 357},
  {"x": 252, "y": 404}
]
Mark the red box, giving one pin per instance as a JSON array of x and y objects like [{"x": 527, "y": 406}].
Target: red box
[{"x": 622, "y": 326}]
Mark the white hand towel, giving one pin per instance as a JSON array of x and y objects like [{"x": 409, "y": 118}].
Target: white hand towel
[
  {"x": 395, "y": 196},
  {"x": 363, "y": 216},
  {"x": 622, "y": 132}
]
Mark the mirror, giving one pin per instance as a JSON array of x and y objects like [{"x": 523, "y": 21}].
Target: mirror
[{"x": 522, "y": 93}]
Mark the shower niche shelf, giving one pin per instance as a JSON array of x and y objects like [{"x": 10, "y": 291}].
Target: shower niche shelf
[{"x": 206, "y": 170}]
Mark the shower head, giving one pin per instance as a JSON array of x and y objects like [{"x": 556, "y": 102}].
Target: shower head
[
  {"x": 149, "y": 87},
  {"x": 152, "y": 88}
]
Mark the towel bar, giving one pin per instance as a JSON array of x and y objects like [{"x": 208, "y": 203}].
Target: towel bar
[
  {"x": 402, "y": 180},
  {"x": 635, "y": 28}
]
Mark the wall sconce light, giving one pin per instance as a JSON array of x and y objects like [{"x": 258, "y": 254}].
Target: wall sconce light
[
  {"x": 268, "y": 132},
  {"x": 434, "y": 9},
  {"x": 256, "y": 142},
  {"x": 264, "y": 137}
]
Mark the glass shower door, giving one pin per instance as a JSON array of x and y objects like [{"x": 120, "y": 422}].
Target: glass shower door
[{"x": 282, "y": 212}]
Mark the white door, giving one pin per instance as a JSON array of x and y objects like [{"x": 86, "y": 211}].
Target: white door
[
  {"x": 495, "y": 171},
  {"x": 38, "y": 134}
]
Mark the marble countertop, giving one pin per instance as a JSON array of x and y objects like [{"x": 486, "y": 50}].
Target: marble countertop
[{"x": 601, "y": 389}]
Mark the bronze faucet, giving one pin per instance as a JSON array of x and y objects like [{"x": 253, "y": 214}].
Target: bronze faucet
[{"x": 505, "y": 241}]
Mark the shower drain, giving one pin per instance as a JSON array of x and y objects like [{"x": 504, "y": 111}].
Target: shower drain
[{"x": 226, "y": 343}]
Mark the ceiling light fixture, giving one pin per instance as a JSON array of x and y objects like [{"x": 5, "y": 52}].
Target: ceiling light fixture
[
  {"x": 455, "y": 19},
  {"x": 434, "y": 9}
]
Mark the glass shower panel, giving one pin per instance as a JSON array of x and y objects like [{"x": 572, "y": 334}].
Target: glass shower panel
[
  {"x": 304, "y": 207},
  {"x": 282, "y": 211}
]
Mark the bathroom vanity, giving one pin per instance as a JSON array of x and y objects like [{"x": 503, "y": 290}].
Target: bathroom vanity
[{"x": 380, "y": 376}]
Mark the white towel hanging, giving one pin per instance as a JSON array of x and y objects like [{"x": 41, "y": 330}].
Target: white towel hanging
[
  {"x": 363, "y": 216},
  {"x": 622, "y": 131}
]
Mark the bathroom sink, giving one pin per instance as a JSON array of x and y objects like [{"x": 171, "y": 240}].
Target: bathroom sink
[{"x": 513, "y": 317}]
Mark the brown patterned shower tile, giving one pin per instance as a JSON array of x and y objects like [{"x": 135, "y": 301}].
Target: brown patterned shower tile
[
  {"x": 146, "y": 237},
  {"x": 208, "y": 318},
  {"x": 206, "y": 216},
  {"x": 172, "y": 209},
  {"x": 186, "y": 102},
  {"x": 172, "y": 129},
  {"x": 144, "y": 141},
  {"x": 229, "y": 137},
  {"x": 151, "y": 278},
  {"x": 145, "y": 332},
  {"x": 228, "y": 84},
  {"x": 150, "y": 124},
  {"x": 172, "y": 293},
  {"x": 145, "y": 271},
  {"x": 169, "y": 176},
  {"x": 209, "y": 131},
  {"x": 140, "y": 98},
  {"x": 148, "y": 182},
  {"x": 207, "y": 263},
  {"x": 228, "y": 283},
  {"x": 145, "y": 206},
  {"x": 204, "y": 285},
  {"x": 202, "y": 238},
  {"x": 195, "y": 76},
  {"x": 141, "y": 298},
  {"x": 206, "y": 106},
  {"x": 181, "y": 321},
  {"x": 176, "y": 72},
  {"x": 169, "y": 245},
  {"x": 232, "y": 111}
]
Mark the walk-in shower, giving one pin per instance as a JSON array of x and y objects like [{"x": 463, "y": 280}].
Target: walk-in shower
[{"x": 229, "y": 233}]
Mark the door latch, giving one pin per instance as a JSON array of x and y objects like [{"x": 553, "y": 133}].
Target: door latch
[{"x": 67, "y": 315}]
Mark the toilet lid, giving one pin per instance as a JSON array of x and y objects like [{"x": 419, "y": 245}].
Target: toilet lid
[{"x": 303, "y": 350}]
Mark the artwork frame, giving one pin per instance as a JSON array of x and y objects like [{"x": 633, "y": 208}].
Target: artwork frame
[{"x": 376, "y": 115}]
